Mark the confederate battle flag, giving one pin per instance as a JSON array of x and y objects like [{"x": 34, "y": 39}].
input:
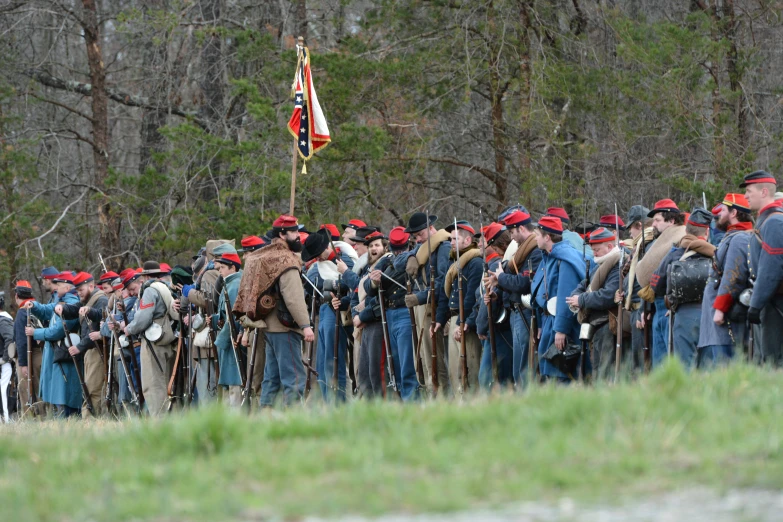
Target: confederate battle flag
[{"x": 307, "y": 123}]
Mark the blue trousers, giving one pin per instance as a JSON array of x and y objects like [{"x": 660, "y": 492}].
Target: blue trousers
[
  {"x": 283, "y": 367},
  {"x": 718, "y": 355},
  {"x": 660, "y": 333},
  {"x": 124, "y": 394},
  {"x": 505, "y": 354},
  {"x": 521, "y": 340},
  {"x": 399, "y": 323},
  {"x": 325, "y": 357},
  {"x": 686, "y": 334}
]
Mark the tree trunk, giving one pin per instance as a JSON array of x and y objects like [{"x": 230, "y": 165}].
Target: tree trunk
[
  {"x": 109, "y": 236},
  {"x": 496, "y": 92}
]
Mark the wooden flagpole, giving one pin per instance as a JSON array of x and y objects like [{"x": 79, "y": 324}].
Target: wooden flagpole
[
  {"x": 295, "y": 152},
  {"x": 293, "y": 181}
]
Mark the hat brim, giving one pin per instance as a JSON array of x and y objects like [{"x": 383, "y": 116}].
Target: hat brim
[
  {"x": 658, "y": 210},
  {"x": 433, "y": 219}
]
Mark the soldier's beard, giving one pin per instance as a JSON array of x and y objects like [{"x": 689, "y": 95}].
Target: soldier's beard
[
  {"x": 294, "y": 245},
  {"x": 722, "y": 225},
  {"x": 372, "y": 258}
]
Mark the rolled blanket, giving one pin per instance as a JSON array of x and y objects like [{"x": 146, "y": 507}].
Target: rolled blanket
[{"x": 653, "y": 257}]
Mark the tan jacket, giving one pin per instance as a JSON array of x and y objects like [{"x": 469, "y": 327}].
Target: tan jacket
[
  {"x": 292, "y": 293},
  {"x": 198, "y": 297}
]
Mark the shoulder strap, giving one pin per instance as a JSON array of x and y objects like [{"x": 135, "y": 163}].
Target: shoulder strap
[{"x": 165, "y": 294}]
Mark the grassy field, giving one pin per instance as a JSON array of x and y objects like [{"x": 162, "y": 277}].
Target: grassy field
[{"x": 600, "y": 444}]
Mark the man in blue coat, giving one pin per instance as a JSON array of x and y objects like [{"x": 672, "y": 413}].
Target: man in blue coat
[
  {"x": 59, "y": 382},
  {"x": 559, "y": 274},
  {"x": 766, "y": 304},
  {"x": 721, "y": 335},
  {"x": 231, "y": 373}
]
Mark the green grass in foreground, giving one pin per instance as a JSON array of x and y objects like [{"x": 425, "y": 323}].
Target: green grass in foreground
[{"x": 599, "y": 444}]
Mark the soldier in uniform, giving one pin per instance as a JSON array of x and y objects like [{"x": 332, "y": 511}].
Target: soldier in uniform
[
  {"x": 231, "y": 355},
  {"x": 398, "y": 317},
  {"x": 721, "y": 334},
  {"x": 289, "y": 325},
  {"x": 471, "y": 268},
  {"x": 574, "y": 239},
  {"x": 668, "y": 229},
  {"x": 156, "y": 305},
  {"x": 331, "y": 263},
  {"x": 495, "y": 239},
  {"x": 560, "y": 271},
  {"x": 59, "y": 380},
  {"x": 692, "y": 246},
  {"x": 640, "y": 311},
  {"x": 514, "y": 281},
  {"x": 24, "y": 295},
  {"x": 47, "y": 275},
  {"x": 614, "y": 223},
  {"x": 368, "y": 330},
  {"x": 595, "y": 299},
  {"x": 350, "y": 229},
  {"x": 766, "y": 304},
  {"x": 418, "y": 269},
  {"x": 92, "y": 304}
]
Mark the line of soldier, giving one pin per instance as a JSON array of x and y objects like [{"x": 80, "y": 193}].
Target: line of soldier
[{"x": 417, "y": 312}]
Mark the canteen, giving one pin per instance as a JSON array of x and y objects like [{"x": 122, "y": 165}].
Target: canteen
[
  {"x": 551, "y": 306},
  {"x": 74, "y": 338},
  {"x": 198, "y": 322},
  {"x": 745, "y": 296},
  {"x": 526, "y": 301},
  {"x": 153, "y": 333},
  {"x": 124, "y": 343}
]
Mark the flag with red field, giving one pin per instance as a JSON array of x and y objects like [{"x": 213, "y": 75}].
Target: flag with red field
[{"x": 307, "y": 123}]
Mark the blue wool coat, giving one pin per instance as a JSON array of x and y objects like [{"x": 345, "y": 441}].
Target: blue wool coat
[
  {"x": 560, "y": 272},
  {"x": 767, "y": 254},
  {"x": 229, "y": 371},
  {"x": 53, "y": 388}
]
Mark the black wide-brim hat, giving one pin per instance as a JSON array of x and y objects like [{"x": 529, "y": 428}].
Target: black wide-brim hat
[
  {"x": 418, "y": 221},
  {"x": 314, "y": 245},
  {"x": 151, "y": 268}
]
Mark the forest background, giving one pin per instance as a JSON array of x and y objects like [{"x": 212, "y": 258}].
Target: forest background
[{"x": 140, "y": 128}]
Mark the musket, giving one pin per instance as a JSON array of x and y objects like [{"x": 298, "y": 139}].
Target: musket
[
  {"x": 416, "y": 340},
  {"x": 172, "y": 387},
  {"x": 462, "y": 346},
  {"x": 149, "y": 344},
  {"x": 336, "y": 338},
  {"x": 387, "y": 341},
  {"x": 79, "y": 374},
  {"x": 619, "y": 343},
  {"x": 137, "y": 396},
  {"x": 232, "y": 332},
  {"x": 583, "y": 342},
  {"x": 30, "y": 392},
  {"x": 194, "y": 373},
  {"x": 532, "y": 351},
  {"x": 308, "y": 364},
  {"x": 131, "y": 343},
  {"x": 493, "y": 351},
  {"x": 646, "y": 355},
  {"x": 432, "y": 298},
  {"x": 108, "y": 360},
  {"x": 209, "y": 293},
  {"x": 247, "y": 391}
]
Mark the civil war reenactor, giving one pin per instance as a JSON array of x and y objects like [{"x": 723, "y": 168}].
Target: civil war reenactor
[
  {"x": 59, "y": 380},
  {"x": 613, "y": 223},
  {"x": 574, "y": 239},
  {"x": 514, "y": 281},
  {"x": 466, "y": 263},
  {"x": 231, "y": 354},
  {"x": 122, "y": 302},
  {"x": 350, "y": 229},
  {"x": 641, "y": 237},
  {"x": 668, "y": 230},
  {"x": 390, "y": 276},
  {"x": 155, "y": 307},
  {"x": 253, "y": 244},
  {"x": 595, "y": 300},
  {"x": 204, "y": 295},
  {"x": 368, "y": 330},
  {"x": 7, "y": 352},
  {"x": 272, "y": 276},
  {"x": 722, "y": 331},
  {"x": 766, "y": 303},
  {"x": 89, "y": 311},
  {"x": 331, "y": 262},
  {"x": 561, "y": 269},
  {"x": 691, "y": 257},
  {"x": 24, "y": 367},
  {"x": 361, "y": 268},
  {"x": 494, "y": 239},
  {"x": 47, "y": 275},
  {"x": 433, "y": 248}
]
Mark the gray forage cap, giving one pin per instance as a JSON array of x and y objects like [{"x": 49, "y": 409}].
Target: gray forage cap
[{"x": 636, "y": 213}]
